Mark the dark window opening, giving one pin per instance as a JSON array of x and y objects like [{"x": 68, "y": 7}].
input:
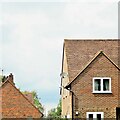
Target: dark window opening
[
  {"x": 97, "y": 85},
  {"x": 90, "y": 116},
  {"x": 98, "y": 116},
  {"x": 106, "y": 84}
]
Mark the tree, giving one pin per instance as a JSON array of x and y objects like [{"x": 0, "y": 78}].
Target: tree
[
  {"x": 55, "y": 112},
  {"x": 52, "y": 113},
  {"x": 36, "y": 100},
  {"x": 2, "y": 78},
  {"x": 59, "y": 108}
]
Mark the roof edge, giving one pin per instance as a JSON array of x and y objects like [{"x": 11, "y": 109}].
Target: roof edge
[
  {"x": 86, "y": 39},
  {"x": 22, "y": 95},
  {"x": 97, "y": 54},
  {"x": 62, "y": 65}
]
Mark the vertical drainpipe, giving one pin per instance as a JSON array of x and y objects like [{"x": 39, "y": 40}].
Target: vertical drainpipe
[
  {"x": 72, "y": 105},
  {"x": 72, "y": 101}
]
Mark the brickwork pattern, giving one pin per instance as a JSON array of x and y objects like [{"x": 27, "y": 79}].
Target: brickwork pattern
[
  {"x": 90, "y": 102},
  {"x": 15, "y": 105}
]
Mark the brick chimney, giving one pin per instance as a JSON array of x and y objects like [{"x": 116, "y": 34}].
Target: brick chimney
[{"x": 10, "y": 78}]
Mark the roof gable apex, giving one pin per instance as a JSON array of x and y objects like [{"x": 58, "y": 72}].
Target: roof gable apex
[
  {"x": 89, "y": 63},
  {"x": 17, "y": 90},
  {"x": 4, "y": 83},
  {"x": 83, "y": 50}
]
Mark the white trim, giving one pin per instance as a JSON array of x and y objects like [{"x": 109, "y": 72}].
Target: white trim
[
  {"x": 95, "y": 114},
  {"x": 101, "y": 80},
  {"x": 101, "y": 92}
]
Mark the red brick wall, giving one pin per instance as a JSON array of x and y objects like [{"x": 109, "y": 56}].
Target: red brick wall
[
  {"x": 85, "y": 100},
  {"x": 14, "y": 105}
]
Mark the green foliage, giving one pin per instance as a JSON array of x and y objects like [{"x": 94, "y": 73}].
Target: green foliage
[
  {"x": 52, "y": 113},
  {"x": 36, "y": 100},
  {"x": 59, "y": 109},
  {"x": 2, "y": 78},
  {"x": 55, "y": 112}
]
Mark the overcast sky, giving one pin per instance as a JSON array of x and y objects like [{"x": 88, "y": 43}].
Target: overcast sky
[{"x": 32, "y": 34}]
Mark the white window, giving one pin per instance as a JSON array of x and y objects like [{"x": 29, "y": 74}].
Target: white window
[
  {"x": 95, "y": 115},
  {"x": 101, "y": 85}
]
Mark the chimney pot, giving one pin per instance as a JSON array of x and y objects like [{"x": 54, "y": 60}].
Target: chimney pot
[{"x": 11, "y": 78}]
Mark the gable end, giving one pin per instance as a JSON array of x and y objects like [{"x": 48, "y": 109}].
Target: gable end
[{"x": 96, "y": 56}]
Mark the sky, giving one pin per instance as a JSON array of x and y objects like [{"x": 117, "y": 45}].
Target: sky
[{"x": 32, "y": 33}]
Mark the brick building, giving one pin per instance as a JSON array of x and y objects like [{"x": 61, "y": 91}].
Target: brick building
[
  {"x": 14, "y": 104},
  {"x": 90, "y": 79}
]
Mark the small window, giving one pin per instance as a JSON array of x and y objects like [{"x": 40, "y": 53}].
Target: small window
[
  {"x": 99, "y": 116},
  {"x": 90, "y": 116},
  {"x": 97, "y": 84},
  {"x": 101, "y": 85},
  {"x": 106, "y": 85},
  {"x": 95, "y": 115}
]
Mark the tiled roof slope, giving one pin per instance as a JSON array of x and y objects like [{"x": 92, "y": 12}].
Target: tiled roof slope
[
  {"x": 80, "y": 52},
  {"x": 15, "y": 104},
  {"x": 29, "y": 96}
]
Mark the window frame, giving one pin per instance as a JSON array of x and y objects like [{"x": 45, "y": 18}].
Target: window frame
[
  {"x": 101, "y": 87},
  {"x": 94, "y": 115}
]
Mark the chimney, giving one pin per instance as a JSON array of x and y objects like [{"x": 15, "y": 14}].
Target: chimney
[{"x": 10, "y": 78}]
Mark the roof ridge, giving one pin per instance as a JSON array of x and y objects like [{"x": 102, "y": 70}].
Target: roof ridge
[
  {"x": 94, "y": 39},
  {"x": 96, "y": 55}
]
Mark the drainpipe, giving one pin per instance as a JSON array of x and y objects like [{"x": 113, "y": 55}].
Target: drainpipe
[
  {"x": 68, "y": 88},
  {"x": 72, "y": 105}
]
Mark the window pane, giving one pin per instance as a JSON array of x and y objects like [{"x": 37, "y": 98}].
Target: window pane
[
  {"x": 106, "y": 84},
  {"x": 98, "y": 116},
  {"x": 90, "y": 116},
  {"x": 97, "y": 85}
]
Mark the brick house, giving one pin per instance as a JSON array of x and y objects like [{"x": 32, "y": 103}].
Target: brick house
[
  {"x": 90, "y": 79},
  {"x": 14, "y": 104}
]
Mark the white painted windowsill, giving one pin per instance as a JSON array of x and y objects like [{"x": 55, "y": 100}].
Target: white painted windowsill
[{"x": 102, "y": 92}]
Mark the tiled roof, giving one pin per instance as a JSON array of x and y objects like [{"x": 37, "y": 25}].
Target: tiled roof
[
  {"x": 17, "y": 96},
  {"x": 79, "y": 52},
  {"x": 29, "y": 96}
]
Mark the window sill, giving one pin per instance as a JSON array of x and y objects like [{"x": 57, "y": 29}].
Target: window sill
[{"x": 101, "y": 92}]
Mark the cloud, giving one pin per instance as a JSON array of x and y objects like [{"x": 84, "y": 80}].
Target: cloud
[
  {"x": 60, "y": 1},
  {"x": 26, "y": 18},
  {"x": 91, "y": 19},
  {"x": 31, "y": 54},
  {"x": 22, "y": 25}
]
